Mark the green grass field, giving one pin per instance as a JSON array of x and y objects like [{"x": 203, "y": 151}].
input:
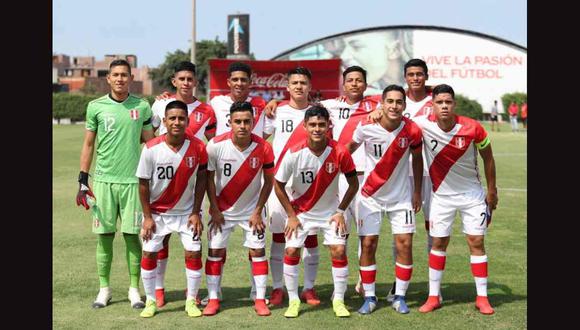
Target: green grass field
[{"x": 75, "y": 283}]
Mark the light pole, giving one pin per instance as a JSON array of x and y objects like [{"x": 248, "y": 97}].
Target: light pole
[{"x": 193, "y": 35}]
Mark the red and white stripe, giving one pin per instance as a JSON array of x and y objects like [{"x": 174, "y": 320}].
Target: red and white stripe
[{"x": 221, "y": 105}]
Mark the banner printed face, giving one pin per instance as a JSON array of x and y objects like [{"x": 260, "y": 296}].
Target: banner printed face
[{"x": 269, "y": 78}]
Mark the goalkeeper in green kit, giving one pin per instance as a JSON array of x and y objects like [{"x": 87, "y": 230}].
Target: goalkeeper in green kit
[{"x": 116, "y": 123}]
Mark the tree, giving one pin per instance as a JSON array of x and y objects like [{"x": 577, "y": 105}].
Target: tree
[
  {"x": 205, "y": 49},
  {"x": 468, "y": 107},
  {"x": 506, "y": 100}
]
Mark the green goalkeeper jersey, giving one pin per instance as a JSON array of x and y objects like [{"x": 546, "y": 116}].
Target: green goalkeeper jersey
[{"x": 118, "y": 126}]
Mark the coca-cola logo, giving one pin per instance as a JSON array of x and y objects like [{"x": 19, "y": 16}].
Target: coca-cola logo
[{"x": 275, "y": 80}]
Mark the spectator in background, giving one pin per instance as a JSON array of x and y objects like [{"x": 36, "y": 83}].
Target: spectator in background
[
  {"x": 513, "y": 111},
  {"x": 494, "y": 114},
  {"x": 524, "y": 114}
]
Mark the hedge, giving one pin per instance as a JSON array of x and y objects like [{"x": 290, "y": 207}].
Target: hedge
[{"x": 468, "y": 107}]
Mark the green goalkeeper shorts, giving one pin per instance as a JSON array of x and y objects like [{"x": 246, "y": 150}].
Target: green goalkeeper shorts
[{"x": 116, "y": 200}]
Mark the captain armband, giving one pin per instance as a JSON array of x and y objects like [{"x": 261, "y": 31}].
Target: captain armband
[{"x": 484, "y": 143}]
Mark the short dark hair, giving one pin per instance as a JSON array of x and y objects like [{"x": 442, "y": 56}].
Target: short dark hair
[
  {"x": 355, "y": 68},
  {"x": 300, "y": 70},
  {"x": 393, "y": 88},
  {"x": 176, "y": 105},
  {"x": 317, "y": 110},
  {"x": 417, "y": 62},
  {"x": 241, "y": 106},
  {"x": 240, "y": 66},
  {"x": 120, "y": 62},
  {"x": 184, "y": 66},
  {"x": 443, "y": 88}
]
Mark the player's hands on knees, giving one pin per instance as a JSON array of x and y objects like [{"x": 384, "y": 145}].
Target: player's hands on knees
[
  {"x": 216, "y": 222},
  {"x": 270, "y": 108},
  {"x": 148, "y": 228},
  {"x": 416, "y": 200},
  {"x": 338, "y": 218},
  {"x": 194, "y": 221},
  {"x": 292, "y": 226},
  {"x": 375, "y": 116},
  {"x": 163, "y": 96},
  {"x": 257, "y": 224},
  {"x": 492, "y": 199},
  {"x": 84, "y": 190}
]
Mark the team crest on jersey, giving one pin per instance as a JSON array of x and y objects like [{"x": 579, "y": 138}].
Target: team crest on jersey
[
  {"x": 198, "y": 116},
  {"x": 403, "y": 142},
  {"x": 189, "y": 161},
  {"x": 96, "y": 223},
  {"x": 460, "y": 142},
  {"x": 330, "y": 167},
  {"x": 254, "y": 162},
  {"x": 134, "y": 113}
]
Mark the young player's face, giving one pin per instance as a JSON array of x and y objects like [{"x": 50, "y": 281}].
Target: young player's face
[
  {"x": 415, "y": 77},
  {"x": 239, "y": 84},
  {"x": 184, "y": 82},
  {"x": 298, "y": 87},
  {"x": 354, "y": 85},
  {"x": 175, "y": 121},
  {"x": 119, "y": 79},
  {"x": 444, "y": 106},
  {"x": 393, "y": 105},
  {"x": 316, "y": 127},
  {"x": 242, "y": 123}
]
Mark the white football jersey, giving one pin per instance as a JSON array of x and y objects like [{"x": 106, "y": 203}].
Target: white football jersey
[
  {"x": 200, "y": 121},
  {"x": 221, "y": 105},
  {"x": 287, "y": 127},
  {"x": 346, "y": 118},
  {"x": 171, "y": 174},
  {"x": 452, "y": 156},
  {"x": 420, "y": 108},
  {"x": 238, "y": 174},
  {"x": 387, "y": 160},
  {"x": 314, "y": 179}
]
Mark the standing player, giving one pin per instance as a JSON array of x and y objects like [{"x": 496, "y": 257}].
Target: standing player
[
  {"x": 289, "y": 130},
  {"x": 239, "y": 81},
  {"x": 118, "y": 122},
  {"x": 172, "y": 167},
  {"x": 450, "y": 149},
  {"x": 388, "y": 146},
  {"x": 238, "y": 160},
  {"x": 312, "y": 168},
  {"x": 202, "y": 122}
]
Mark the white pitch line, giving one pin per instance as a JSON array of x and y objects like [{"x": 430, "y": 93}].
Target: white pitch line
[
  {"x": 515, "y": 189},
  {"x": 510, "y": 154}
]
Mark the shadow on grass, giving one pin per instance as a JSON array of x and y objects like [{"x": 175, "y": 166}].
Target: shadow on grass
[{"x": 453, "y": 293}]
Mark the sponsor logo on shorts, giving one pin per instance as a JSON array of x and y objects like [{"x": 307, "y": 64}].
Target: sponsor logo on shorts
[
  {"x": 330, "y": 167},
  {"x": 189, "y": 161},
  {"x": 134, "y": 113},
  {"x": 460, "y": 142},
  {"x": 403, "y": 142},
  {"x": 254, "y": 162},
  {"x": 96, "y": 223}
]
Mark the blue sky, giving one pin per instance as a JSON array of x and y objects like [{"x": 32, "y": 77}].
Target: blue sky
[{"x": 150, "y": 29}]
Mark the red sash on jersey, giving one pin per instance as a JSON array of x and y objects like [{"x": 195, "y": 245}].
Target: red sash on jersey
[
  {"x": 198, "y": 117},
  {"x": 179, "y": 182},
  {"x": 299, "y": 135},
  {"x": 426, "y": 109},
  {"x": 352, "y": 122},
  {"x": 385, "y": 167},
  {"x": 449, "y": 155},
  {"x": 317, "y": 188},
  {"x": 232, "y": 191}
]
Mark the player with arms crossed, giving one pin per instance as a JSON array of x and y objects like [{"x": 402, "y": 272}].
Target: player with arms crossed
[
  {"x": 172, "y": 183},
  {"x": 238, "y": 160},
  {"x": 118, "y": 122},
  {"x": 313, "y": 167},
  {"x": 202, "y": 122},
  {"x": 388, "y": 146},
  {"x": 450, "y": 147},
  {"x": 289, "y": 129}
]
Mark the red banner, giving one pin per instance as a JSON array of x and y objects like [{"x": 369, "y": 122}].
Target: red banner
[{"x": 269, "y": 78}]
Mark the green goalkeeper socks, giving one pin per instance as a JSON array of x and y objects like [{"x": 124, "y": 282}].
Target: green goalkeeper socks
[
  {"x": 104, "y": 258},
  {"x": 133, "y": 255}
]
